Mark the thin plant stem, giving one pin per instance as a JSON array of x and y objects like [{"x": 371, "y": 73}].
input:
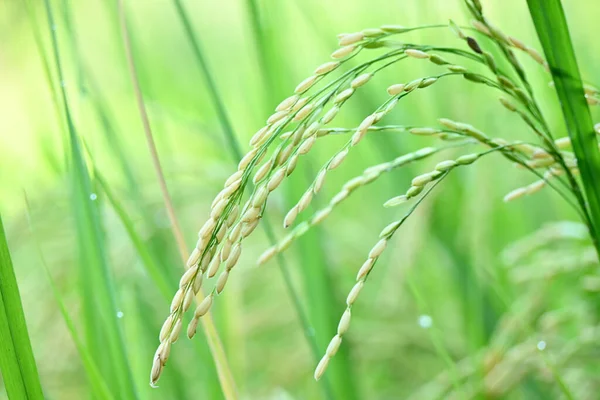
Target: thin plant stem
[
  {"x": 176, "y": 228},
  {"x": 236, "y": 153},
  {"x": 223, "y": 371}
]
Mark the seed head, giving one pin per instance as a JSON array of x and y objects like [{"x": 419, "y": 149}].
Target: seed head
[
  {"x": 365, "y": 269},
  {"x": 248, "y": 228},
  {"x": 319, "y": 181},
  {"x": 260, "y": 197},
  {"x": 306, "y": 84},
  {"x": 276, "y": 179},
  {"x": 413, "y": 85},
  {"x": 236, "y": 251},
  {"x": 344, "y": 323},
  {"x": 305, "y": 200},
  {"x": 378, "y": 248},
  {"x": 343, "y": 96},
  {"x": 457, "y": 68},
  {"x": 215, "y": 263},
  {"x": 262, "y": 171},
  {"x": 438, "y": 60},
  {"x": 247, "y": 159},
  {"x": 354, "y": 183},
  {"x": 204, "y": 306},
  {"x": 188, "y": 276},
  {"x": 267, "y": 255},
  {"x": 327, "y": 67},
  {"x": 416, "y": 53},
  {"x": 343, "y": 52},
  {"x": 456, "y": 30},
  {"x": 157, "y": 367},
  {"x": 333, "y": 346},
  {"x": 480, "y": 27},
  {"x": 361, "y": 80},
  {"x": 424, "y": 131},
  {"x": 393, "y": 28},
  {"x": 330, "y": 115},
  {"x": 563, "y": 142},
  {"x": 291, "y": 165},
  {"x": 427, "y": 82},
  {"x": 517, "y": 43},
  {"x": 337, "y": 159},
  {"x": 279, "y": 115},
  {"x": 221, "y": 281},
  {"x": 251, "y": 214},
  {"x": 307, "y": 144},
  {"x": 338, "y": 198},
  {"x": 321, "y": 367},
  {"x": 166, "y": 328},
  {"x": 207, "y": 228},
  {"x": 361, "y": 131},
  {"x": 193, "y": 325},
  {"x": 176, "y": 331},
  {"x": 535, "y": 186},
  {"x": 320, "y": 216},
  {"x": 507, "y": 104},
  {"x": 177, "y": 299},
  {"x": 351, "y": 38},
  {"x": 515, "y": 194},
  {"x": 413, "y": 191},
  {"x": 299, "y": 104},
  {"x": 194, "y": 258},
  {"x": 287, "y": 103},
  {"x": 290, "y": 217},
  {"x": 395, "y": 89},
  {"x": 422, "y": 180},
  {"x": 353, "y": 295},
  {"x": 372, "y": 32},
  {"x": 303, "y": 113},
  {"x": 536, "y": 56}
]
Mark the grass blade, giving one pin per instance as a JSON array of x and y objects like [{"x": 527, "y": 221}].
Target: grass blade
[
  {"x": 234, "y": 148},
  {"x": 216, "y": 347},
  {"x": 16, "y": 355},
  {"x": 551, "y": 26},
  {"x": 99, "y": 386},
  {"x": 99, "y": 299}
]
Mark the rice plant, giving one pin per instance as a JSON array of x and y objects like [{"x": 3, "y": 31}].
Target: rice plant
[
  {"x": 355, "y": 250},
  {"x": 307, "y": 117}
]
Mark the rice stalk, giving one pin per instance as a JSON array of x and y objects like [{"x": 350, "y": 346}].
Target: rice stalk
[
  {"x": 218, "y": 353},
  {"x": 103, "y": 333},
  {"x": 314, "y": 104}
]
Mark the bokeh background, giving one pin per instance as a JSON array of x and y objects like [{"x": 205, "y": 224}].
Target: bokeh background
[{"x": 441, "y": 301}]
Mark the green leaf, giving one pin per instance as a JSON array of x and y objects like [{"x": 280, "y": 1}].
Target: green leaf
[
  {"x": 16, "y": 356},
  {"x": 553, "y": 32},
  {"x": 99, "y": 301}
]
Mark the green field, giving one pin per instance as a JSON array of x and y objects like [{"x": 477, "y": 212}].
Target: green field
[{"x": 473, "y": 298}]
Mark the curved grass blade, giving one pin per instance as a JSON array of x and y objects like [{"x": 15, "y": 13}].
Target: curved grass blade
[
  {"x": 97, "y": 383},
  {"x": 17, "y": 363},
  {"x": 98, "y": 292},
  {"x": 224, "y": 373},
  {"x": 234, "y": 147},
  {"x": 551, "y": 26}
]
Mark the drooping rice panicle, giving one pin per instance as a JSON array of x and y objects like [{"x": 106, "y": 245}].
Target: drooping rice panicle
[
  {"x": 220, "y": 238},
  {"x": 370, "y": 175},
  {"x": 374, "y": 254},
  {"x": 292, "y": 131}
]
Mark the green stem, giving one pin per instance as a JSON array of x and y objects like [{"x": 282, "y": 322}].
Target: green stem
[
  {"x": 551, "y": 25},
  {"x": 17, "y": 363}
]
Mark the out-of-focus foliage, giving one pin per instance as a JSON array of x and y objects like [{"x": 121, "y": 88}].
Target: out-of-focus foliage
[{"x": 443, "y": 312}]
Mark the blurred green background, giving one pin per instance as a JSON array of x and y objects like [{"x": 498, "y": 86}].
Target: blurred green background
[{"x": 441, "y": 301}]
